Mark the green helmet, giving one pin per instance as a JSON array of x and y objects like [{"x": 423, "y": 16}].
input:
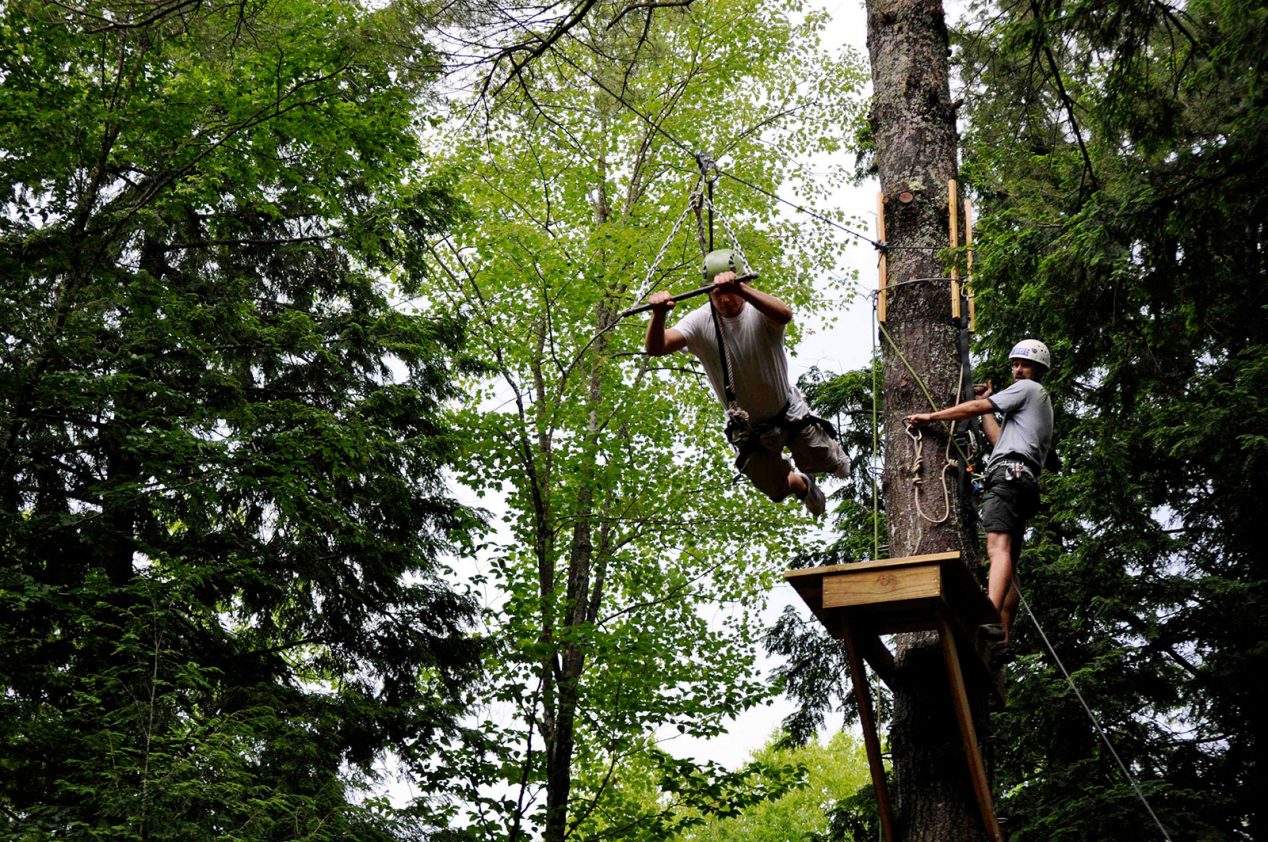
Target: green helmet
[{"x": 718, "y": 261}]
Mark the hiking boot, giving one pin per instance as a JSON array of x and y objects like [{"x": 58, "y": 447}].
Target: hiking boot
[
  {"x": 815, "y": 502},
  {"x": 1001, "y": 655},
  {"x": 991, "y": 631}
]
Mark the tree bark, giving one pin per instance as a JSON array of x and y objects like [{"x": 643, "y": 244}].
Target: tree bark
[
  {"x": 578, "y": 610},
  {"x": 913, "y": 125}
]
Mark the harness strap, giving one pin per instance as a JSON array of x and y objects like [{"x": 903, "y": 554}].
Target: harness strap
[
  {"x": 790, "y": 427},
  {"x": 1034, "y": 467}
]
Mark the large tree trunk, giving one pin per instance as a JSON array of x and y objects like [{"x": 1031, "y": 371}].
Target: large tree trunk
[{"x": 914, "y": 129}]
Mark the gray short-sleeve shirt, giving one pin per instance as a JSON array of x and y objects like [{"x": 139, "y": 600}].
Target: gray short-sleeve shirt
[{"x": 1026, "y": 428}]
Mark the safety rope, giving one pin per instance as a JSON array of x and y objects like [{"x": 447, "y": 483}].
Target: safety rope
[
  {"x": 876, "y": 448},
  {"x": 919, "y": 380},
  {"x": 1092, "y": 716},
  {"x": 917, "y": 483}
]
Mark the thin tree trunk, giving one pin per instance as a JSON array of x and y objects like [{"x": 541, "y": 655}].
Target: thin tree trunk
[
  {"x": 914, "y": 129},
  {"x": 581, "y": 560}
]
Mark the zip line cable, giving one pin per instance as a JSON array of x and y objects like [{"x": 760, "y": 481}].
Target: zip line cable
[
  {"x": 688, "y": 150},
  {"x": 1092, "y": 716}
]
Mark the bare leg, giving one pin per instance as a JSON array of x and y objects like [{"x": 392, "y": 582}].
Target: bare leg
[
  {"x": 1009, "y": 608},
  {"x": 999, "y": 549}
]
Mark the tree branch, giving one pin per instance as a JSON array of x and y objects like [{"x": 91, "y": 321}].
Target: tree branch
[{"x": 634, "y": 7}]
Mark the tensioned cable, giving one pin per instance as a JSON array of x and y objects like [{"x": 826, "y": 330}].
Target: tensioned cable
[
  {"x": 875, "y": 243},
  {"x": 876, "y": 506},
  {"x": 685, "y": 148},
  {"x": 1095, "y": 722}
]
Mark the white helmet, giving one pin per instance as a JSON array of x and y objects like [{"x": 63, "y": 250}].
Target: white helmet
[{"x": 1032, "y": 350}]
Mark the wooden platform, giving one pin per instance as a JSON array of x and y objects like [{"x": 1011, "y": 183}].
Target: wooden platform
[
  {"x": 860, "y": 602},
  {"x": 899, "y": 595}
]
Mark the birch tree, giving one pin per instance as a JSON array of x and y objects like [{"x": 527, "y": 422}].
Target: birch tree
[{"x": 624, "y": 595}]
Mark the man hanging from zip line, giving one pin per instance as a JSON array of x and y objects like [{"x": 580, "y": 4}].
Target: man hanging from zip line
[
  {"x": 738, "y": 336},
  {"x": 1021, "y": 446}
]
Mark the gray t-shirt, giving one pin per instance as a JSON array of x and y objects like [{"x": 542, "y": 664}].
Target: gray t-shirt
[
  {"x": 759, "y": 365},
  {"x": 1026, "y": 429}
]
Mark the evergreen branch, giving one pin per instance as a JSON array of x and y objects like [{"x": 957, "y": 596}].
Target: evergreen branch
[{"x": 1067, "y": 101}]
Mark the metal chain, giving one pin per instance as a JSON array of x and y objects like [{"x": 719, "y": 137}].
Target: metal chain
[
  {"x": 692, "y": 201},
  {"x": 735, "y": 241}
]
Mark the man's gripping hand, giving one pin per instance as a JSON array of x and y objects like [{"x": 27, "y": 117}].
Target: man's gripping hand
[
  {"x": 724, "y": 282},
  {"x": 661, "y": 301}
]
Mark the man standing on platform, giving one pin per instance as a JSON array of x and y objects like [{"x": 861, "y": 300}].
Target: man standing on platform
[{"x": 1021, "y": 443}]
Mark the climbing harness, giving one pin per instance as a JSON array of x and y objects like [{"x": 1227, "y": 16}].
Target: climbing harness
[{"x": 776, "y": 432}]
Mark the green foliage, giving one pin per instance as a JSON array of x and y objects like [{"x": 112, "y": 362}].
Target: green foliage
[
  {"x": 1118, "y": 153},
  {"x": 623, "y": 533},
  {"x": 221, "y": 501},
  {"x": 655, "y": 796},
  {"x": 834, "y": 783}
]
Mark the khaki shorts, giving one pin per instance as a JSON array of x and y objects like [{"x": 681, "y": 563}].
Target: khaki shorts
[{"x": 813, "y": 451}]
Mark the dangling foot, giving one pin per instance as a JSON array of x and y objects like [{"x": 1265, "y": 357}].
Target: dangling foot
[
  {"x": 1001, "y": 654},
  {"x": 991, "y": 632},
  {"x": 814, "y": 500}
]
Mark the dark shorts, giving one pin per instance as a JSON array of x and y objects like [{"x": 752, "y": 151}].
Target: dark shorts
[{"x": 1011, "y": 498}]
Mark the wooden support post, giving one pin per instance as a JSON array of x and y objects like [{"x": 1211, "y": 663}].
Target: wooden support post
[
  {"x": 968, "y": 734},
  {"x": 953, "y": 211},
  {"x": 872, "y": 742},
  {"x": 968, "y": 280},
  {"x": 882, "y": 262}
]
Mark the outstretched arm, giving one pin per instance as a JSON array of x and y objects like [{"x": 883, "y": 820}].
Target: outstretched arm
[{"x": 967, "y": 409}]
